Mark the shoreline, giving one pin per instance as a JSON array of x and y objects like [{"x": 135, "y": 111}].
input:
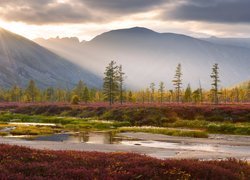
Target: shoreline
[{"x": 157, "y": 152}]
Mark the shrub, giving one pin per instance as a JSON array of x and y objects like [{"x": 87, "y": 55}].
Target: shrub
[{"x": 24, "y": 163}]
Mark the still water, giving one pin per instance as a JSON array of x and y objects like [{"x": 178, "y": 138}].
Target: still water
[{"x": 110, "y": 138}]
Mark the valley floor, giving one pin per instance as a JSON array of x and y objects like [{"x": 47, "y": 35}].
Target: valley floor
[{"x": 156, "y": 145}]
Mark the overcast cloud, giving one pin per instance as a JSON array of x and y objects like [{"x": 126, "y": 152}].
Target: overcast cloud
[{"x": 212, "y": 17}]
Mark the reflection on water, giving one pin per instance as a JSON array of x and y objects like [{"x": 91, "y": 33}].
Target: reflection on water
[
  {"x": 170, "y": 145},
  {"x": 87, "y": 137},
  {"x": 190, "y": 146},
  {"x": 109, "y": 138}
]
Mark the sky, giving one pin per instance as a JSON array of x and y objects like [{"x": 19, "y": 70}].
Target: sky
[{"x": 87, "y": 18}]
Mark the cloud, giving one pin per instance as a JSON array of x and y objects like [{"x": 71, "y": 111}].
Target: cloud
[
  {"x": 72, "y": 11},
  {"x": 219, "y": 11},
  {"x": 124, "y": 6},
  {"x": 45, "y": 12}
]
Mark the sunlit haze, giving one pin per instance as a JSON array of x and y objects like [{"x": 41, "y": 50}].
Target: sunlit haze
[{"x": 86, "y": 19}]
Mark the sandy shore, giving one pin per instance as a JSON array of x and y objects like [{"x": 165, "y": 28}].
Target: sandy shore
[{"x": 224, "y": 146}]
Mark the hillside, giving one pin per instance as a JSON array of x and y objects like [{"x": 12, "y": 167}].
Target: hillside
[
  {"x": 22, "y": 60},
  {"x": 148, "y": 56}
]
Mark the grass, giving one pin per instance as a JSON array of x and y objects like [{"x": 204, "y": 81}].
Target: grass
[
  {"x": 83, "y": 124},
  {"x": 165, "y": 131},
  {"x": 3, "y": 133},
  {"x": 213, "y": 127},
  {"x": 63, "y": 123},
  {"x": 33, "y": 130}
]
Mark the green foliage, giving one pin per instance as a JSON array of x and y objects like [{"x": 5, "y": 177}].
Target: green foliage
[
  {"x": 32, "y": 130},
  {"x": 110, "y": 82},
  {"x": 165, "y": 131},
  {"x": 215, "y": 83},
  {"x": 32, "y": 91},
  {"x": 177, "y": 82}
]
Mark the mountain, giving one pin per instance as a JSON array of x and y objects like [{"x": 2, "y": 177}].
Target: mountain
[
  {"x": 22, "y": 60},
  {"x": 148, "y": 56},
  {"x": 69, "y": 48},
  {"x": 240, "y": 42}
]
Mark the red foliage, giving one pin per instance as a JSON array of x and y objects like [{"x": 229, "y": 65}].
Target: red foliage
[{"x": 22, "y": 163}]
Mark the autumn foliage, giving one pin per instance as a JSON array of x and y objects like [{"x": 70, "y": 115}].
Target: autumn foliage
[
  {"x": 24, "y": 163},
  {"x": 138, "y": 114}
]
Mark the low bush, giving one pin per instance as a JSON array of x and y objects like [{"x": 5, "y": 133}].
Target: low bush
[{"x": 24, "y": 163}]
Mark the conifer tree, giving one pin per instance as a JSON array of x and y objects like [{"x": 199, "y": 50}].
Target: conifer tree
[
  {"x": 215, "y": 83},
  {"x": 86, "y": 95},
  {"x": 188, "y": 94},
  {"x": 177, "y": 82},
  {"x": 79, "y": 89},
  {"x": 130, "y": 96},
  {"x": 110, "y": 82},
  {"x": 32, "y": 91},
  {"x": 248, "y": 91},
  {"x": 161, "y": 91},
  {"x": 121, "y": 79},
  {"x": 152, "y": 94},
  {"x": 15, "y": 93}
]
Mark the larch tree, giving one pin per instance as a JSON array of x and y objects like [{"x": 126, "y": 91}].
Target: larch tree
[
  {"x": 177, "y": 82},
  {"x": 130, "y": 96},
  {"x": 188, "y": 94},
  {"x": 200, "y": 92},
  {"x": 86, "y": 95},
  {"x": 121, "y": 79},
  {"x": 32, "y": 91},
  {"x": 215, "y": 83},
  {"x": 152, "y": 94},
  {"x": 248, "y": 91},
  {"x": 16, "y": 93},
  {"x": 161, "y": 91},
  {"x": 79, "y": 89},
  {"x": 110, "y": 82}
]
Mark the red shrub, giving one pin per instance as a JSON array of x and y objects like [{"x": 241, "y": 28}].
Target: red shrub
[{"x": 24, "y": 163}]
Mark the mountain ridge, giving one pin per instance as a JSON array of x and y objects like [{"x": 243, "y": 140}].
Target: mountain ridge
[
  {"x": 23, "y": 60},
  {"x": 152, "y": 57}
]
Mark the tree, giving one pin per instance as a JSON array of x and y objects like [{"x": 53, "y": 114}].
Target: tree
[
  {"x": 248, "y": 91},
  {"x": 130, "y": 96},
  {"x": 177, "y": 82},
  {"x": 75, "y": 100},
  {"x": 49, "y": 94},
  {"x": 15, "y": 93},
  {"x": 110, "y": 84},
  {"x": 32, "y": 91},
  {"x": 79, "y": 89},
  {"x": 121, "y": 79},
  {"x": 188, "y": 94},
  {"x": 196, "y": 95},
  {"x": 161, "y": 91},
  {"x": 152, "y": 94},
  {"x": 86, "y": 96},
  {"x": 215, "y": 83},
  {"x": 200, "y": 92}
]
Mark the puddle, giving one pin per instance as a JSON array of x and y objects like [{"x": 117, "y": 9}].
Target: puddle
[
  {"x": 88, "y": 137},
  {"x": 109, "y": 138},
  {"x": 189, "y": 146}
]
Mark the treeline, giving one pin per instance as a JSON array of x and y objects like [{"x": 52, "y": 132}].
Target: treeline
[{"x": 113, "y": 91}]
